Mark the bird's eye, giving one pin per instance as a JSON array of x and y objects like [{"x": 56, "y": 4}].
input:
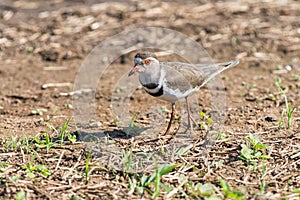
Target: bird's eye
[{"x": 147, "y": 61}]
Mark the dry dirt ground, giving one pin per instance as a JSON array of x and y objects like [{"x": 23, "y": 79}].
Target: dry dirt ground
[{"x": 257, "y": 155}]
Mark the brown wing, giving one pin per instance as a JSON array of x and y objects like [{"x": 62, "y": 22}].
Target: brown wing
[
  {"x": 182, "y": 75},
  {"x": 196, "y": 75}
]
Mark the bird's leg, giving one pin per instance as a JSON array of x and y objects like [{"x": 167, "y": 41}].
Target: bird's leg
[
  {"x": 171, "y": 119},
  {"x": 190, "y": 118}
]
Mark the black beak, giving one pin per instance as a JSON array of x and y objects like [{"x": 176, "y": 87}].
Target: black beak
[
  {"x": 137, "y": 61},
  {"x": 132, "y": 70}
]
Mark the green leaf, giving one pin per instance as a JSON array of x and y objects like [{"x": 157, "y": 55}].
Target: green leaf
[
  {"x": 15, "y": 178},
  {"x": 64, "y": 129},
  {"x": 140, "y": 190},
  {"x": 44, "y": 170},
  {"x": 157, "y": 181},
  {"x": 213, "y": 197},
  {"x": 296, "y": 191},
  {"x": 144, "y": 179},
  {"x": 225, "y": 186},
  {"x": 30, "y": 175},
  {"x": 21, "y": 195},
  {"x": 164, "y": 169},
  {"x": 72, "y": 138},
  {"x": 165, "y": 187},
  {"x": 235, "y": 195},
  {"x": 246, "y": 153},
  {"x": 206, "y": 189},
  {"x": 209, "y": 120},
  {"x": 260, "y": 146},
  {"x": 202, "y": 114}
]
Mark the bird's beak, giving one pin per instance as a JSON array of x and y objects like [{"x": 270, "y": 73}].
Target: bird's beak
[
  {"x": 137, "y": 64},
  {"x": 134, "y": 69}
]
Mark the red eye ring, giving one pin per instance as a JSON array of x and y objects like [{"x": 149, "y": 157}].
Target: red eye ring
[{"x": 147, "y": 61}]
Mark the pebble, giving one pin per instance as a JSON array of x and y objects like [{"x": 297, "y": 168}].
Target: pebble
[
  {"x": 95, "y": 25},
  {"x": 271, "y": 118}
]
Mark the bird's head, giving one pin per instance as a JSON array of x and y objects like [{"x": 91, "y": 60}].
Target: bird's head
[{"x": 144, "y": 62}]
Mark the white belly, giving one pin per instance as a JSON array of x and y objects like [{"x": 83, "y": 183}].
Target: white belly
[{"x": 174, "y": 95}]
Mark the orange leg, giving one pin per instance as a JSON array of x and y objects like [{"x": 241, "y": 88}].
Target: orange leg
[
  {"x": 190, "y": 118},
  {"x": 171, "y": 119}
]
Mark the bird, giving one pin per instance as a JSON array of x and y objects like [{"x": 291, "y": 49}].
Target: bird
[{"x": 172, "y": 81}]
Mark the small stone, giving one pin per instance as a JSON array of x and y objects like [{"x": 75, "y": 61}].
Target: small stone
[
  {"x": 271, "y": 118},
  {"x": 95, "y": 25},
  {"x": 7, "y": 14},
  {"x": 43, "y": 15},
  {"x": 288, "y": 67}
]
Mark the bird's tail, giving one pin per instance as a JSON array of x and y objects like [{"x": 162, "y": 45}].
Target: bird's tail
[{"x": 210, "y": 71}]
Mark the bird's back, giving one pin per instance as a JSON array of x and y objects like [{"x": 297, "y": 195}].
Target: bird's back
[{"x": 193, "y": 75}]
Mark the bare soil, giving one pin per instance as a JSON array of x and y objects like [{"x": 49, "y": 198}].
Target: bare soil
[{"x": 46, "y": 42}]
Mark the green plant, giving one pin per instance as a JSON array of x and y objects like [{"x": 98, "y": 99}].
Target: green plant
[
  {"x": 183, "y": 150},
  {"x": 288, "y": 109},
  {"x": 44, "y": 142},
  {"x": 252, "y": 154},
  {"x": 200, "y": 191},
  {"x": 72, "y": 138},
  {"x": 230, "y": 193},
  {"x": 206, "y": 121},
  {"x": 131, "y": 127},
  {"x": 15, "y": 178},
  {"x": 87, "y": 167},
  {"x": 3, "y": 164},
  {"x": 21, "y": 195},
  {"x": 25, "y": 143},
  {"x": 144, "y": 183},
  {"x": 127, "y": 160},
  {"x": 296, "y": 191},
  {"x": 13, "y": 143},
  {"x": 254, "y": 151},
  {"x": 64, "y": 129},
  {"x": 156, "y": 182},
  {"x": 263, "y": 184},
  {"x": 31, "y": 169}
]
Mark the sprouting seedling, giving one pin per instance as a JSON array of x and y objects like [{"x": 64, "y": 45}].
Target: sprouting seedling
[
  {"x": 64, "y": 130},
  {"x": 230, "y": 193},
  {"x": 13, "y": 143},
  {"x": 207, "y": 121},
  {"x": 128, "y": 159},
  {"x": 131, "y": 124},
  {"x": 31, "y": 169},
  {"x": 87, "y": 163},
  {"x": 44, "y": 142},
  {"x": 131, "y": 127},
  {"x": 72, "y": 138},
  {"x": 144, "y": 183},
  {"x": 288, "y": 109},
  {"x": 251, "y": 153},
  {"x": 21, "y": 195},
  {"x": 257, "y": 145},
  {"x": 263, "y": 184},
  {"x": 156, "y": 182}
]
